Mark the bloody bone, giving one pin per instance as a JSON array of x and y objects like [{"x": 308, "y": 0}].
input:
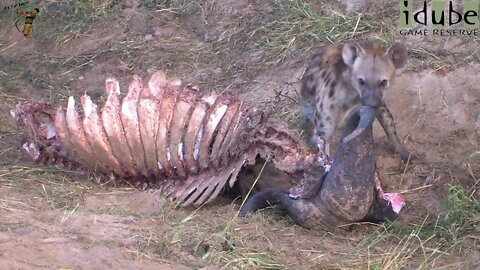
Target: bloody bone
[{"x": 164, "y": 133}]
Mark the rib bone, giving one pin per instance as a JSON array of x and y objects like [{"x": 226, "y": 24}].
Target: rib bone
[{"x": 164, "y": 133}]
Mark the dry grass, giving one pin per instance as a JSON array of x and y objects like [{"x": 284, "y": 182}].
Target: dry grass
[
  {"x": 245, "y": 45},
  {"x": 215, "y": 235}
]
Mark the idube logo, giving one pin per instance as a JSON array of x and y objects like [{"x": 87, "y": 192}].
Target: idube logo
[{"x": 442, "y": 18}]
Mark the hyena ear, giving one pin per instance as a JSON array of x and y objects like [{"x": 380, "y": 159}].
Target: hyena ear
[
  {"x": 351, "y": 51},
  {"x": 399, "y": 54}
]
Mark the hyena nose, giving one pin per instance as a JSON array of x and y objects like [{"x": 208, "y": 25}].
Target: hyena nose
[
  {"x": 372, "y": 99},
  {"x": 371, "y": 103}
]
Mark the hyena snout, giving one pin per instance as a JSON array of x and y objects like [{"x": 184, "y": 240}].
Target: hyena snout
[{"x": 372, "y": 98}]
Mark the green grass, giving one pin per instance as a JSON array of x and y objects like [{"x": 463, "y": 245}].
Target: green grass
[
  {"x": 250, "y": 42},
  {"x": 293, "y": 28},
  {"x": 298, "y": 24},
  {"x": 95, "y": 8},
  {"x": 461, "y": 217}
]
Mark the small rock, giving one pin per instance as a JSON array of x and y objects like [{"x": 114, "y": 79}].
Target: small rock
[{"x": 148, "y": 37}]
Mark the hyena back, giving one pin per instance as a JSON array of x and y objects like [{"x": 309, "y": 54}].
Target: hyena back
[{"x": 343, "y": 76}]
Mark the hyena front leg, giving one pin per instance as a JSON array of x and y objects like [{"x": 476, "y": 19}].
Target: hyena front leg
[
  {"x": 324, "y": 131},
  {"x": 385, "y": 118},
  {"x": 308, "y": 121}
]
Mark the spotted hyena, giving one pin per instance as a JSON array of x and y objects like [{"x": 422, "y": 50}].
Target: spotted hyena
[{"x": 340, "y": 78}]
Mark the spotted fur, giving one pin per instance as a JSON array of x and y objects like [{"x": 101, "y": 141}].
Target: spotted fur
[{"x": 343, "y": 76}]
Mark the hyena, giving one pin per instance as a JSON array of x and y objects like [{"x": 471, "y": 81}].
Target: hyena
[{"x": 340, "y": 78}]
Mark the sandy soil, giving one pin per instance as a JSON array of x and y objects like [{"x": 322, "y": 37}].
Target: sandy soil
[{"x": 55, "y": 218}]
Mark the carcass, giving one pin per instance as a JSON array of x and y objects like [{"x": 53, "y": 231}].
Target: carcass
[
  {"x": 162, "y": 134},
  {"x": 167, "y": 135},
  {"x": 347, "y": 193}
]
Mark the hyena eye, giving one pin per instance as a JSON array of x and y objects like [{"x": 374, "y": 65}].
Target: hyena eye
[
  {"x": 361, "y": 82},
  {"x": 383, "y": 83}
]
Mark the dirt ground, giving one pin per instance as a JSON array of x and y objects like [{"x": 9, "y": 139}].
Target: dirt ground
[{"x": 54, "y": 218}]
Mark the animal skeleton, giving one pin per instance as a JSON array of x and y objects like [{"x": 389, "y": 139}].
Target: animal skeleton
[{"x": 165, "y": 134}]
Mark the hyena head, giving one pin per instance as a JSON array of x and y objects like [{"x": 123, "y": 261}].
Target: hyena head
[{"x": 373, "y": 68}]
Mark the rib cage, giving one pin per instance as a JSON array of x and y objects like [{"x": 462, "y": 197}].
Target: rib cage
[{"x": 189, "y": 145}]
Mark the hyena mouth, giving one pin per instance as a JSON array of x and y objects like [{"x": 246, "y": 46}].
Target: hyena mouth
[{"x": 372, "y": 99}]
